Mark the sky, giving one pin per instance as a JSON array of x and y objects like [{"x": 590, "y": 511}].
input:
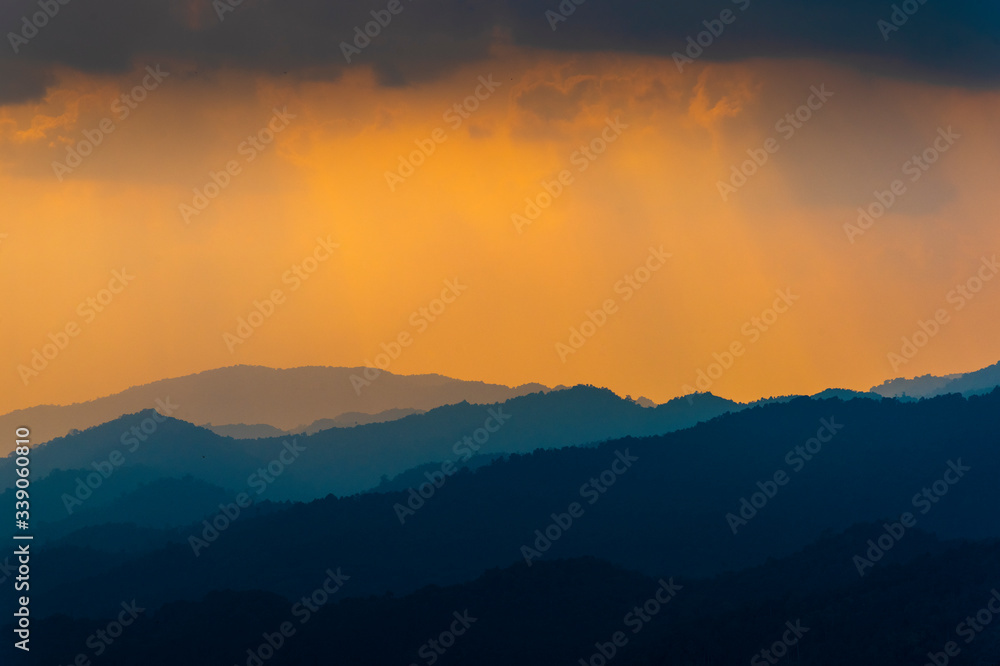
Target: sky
[{"x": 508, "y": 192}]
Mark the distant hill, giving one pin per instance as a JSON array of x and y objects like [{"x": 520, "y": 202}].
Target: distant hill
[
  {"x": 846, "y": 394},
  {"x": 344, "y": 461},
  {"x": 666, "y": 513},
  {"x": 248, "y": 394},
  {"x": 249, "y": 402},
  {"x": 975, "y": 382},
  {"x": 418, "y": 476},
  {"x": 351, "y": 419},
  {"x": 245, "y": 430},
  {"x": 346, "y": 420},
  {"x": 565, "y": 610},
  {"x": 928, "y": 386},
  {"x": 159, "y": 504},
  {"x": 133, "y": 494}
]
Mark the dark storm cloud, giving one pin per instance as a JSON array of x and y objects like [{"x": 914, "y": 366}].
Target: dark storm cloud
[
  {"x": 20, "y": 81},
  {"x": 941, "y": 42},
  {"x": 301, "y": 37}
]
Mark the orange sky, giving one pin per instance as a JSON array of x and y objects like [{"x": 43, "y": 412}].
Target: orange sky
[{"x": 655, "y": 185}]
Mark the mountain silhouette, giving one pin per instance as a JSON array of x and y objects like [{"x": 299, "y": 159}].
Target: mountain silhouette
[
  {"x": 568, "y": 609},
  {"x": 929, "y": 386},
  {"x": 344, "y": 461},
  {"x": 667, "y": 513},
  {"x": 346, "y": 420},
  {"x": 283, "y": 399}
]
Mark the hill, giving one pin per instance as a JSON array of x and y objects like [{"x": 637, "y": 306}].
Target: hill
[
  {"x": 344, "y": 461},
  {"x": 280, "y": 398},
  {"x": 929, "y": 386},
  {"x": 695, "y": 503}
]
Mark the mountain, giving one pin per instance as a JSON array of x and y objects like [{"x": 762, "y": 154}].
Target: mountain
[
  {"x": 351, "y": 419},
  {"x": 254, "y": 394},
  {"x": 975, "y": 382},
  {"x": 928, "y": 386},
  {"x": 133, "y": 494},
  {"x": 346, "y": 420},
  {"x": 245, "y": 430},
  {"x": 721, "y": 496},
  {"x": 159, "y": 504},
  {"x": 48, "y": 505},
  {"x": 344, "y": 461},
  {"x": 845, "y": 394},
  {"x": 569, "y": 609},
  {"x": 418, "y": 476}
]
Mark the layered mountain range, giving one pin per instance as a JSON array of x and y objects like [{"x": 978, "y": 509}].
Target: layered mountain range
[{"x": 555, "y": 516}]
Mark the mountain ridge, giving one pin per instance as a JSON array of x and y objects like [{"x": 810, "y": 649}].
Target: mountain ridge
[{"x": 281, "y": 397}]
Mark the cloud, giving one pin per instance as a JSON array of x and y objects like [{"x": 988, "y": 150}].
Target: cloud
[
  {"x": 20, "y": 82},
  {"x": 550, "y": 101},
  {"x": 951, "y": 43}
]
